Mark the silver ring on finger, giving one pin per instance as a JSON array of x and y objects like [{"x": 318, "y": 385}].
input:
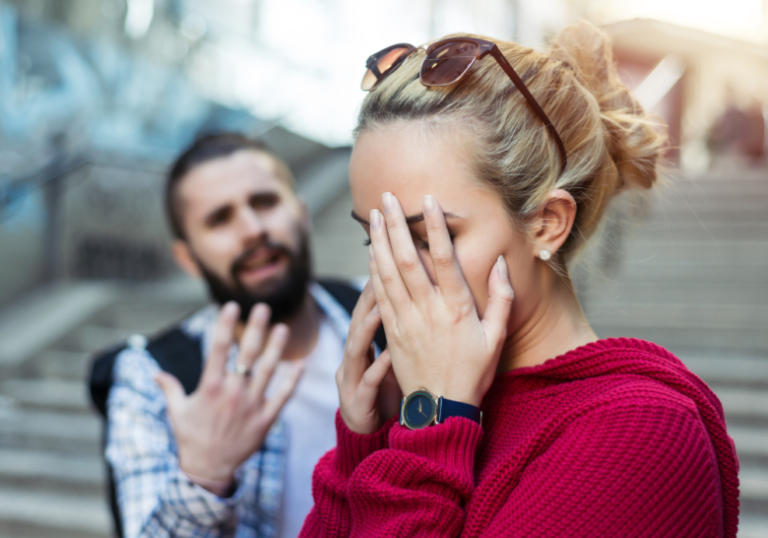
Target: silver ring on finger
[{"x": 243, "y": 370}]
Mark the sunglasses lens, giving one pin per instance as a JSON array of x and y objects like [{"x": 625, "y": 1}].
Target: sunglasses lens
[
  {"x": 369, "y": 81},
  {"x": 447, "y": 63},
  {"x": 383, "y": 64}
]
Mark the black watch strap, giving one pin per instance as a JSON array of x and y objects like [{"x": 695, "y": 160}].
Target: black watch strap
[{"x": 449, "y": 408}]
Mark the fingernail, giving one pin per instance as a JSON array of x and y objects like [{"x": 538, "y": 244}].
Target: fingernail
[
  {"x": 262, "y": 312},
  {"x": 370, "y": 253},
  {"x": 501, "y": 265},
  {"x": 429, "y": 204},
  {"x": 375, "y": 219},
  {"x": 389, "y": 202},
  {"x": 281, "y": 330},
  {"x": 230, "y": 309}
]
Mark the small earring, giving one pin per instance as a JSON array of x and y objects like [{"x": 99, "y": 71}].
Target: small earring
[{"x": 545, "y": 254}]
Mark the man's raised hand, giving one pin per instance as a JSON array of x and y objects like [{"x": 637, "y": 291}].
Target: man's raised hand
[{"x": 227, "y": 418}]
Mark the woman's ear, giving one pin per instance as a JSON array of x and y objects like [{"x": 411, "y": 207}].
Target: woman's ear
[
  {"x": 554, "y": 221},
  {"x": 184, "y": 258}
]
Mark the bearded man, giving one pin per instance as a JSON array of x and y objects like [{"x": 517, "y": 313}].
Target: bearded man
[{"x": 214, "y": 428}]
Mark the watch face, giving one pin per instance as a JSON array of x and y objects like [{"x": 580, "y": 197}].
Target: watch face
[{"x": 419, "y": 410}]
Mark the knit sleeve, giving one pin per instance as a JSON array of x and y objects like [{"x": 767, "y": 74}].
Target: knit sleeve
[
  {"x": 330, "y": 514},
  {"x": 624, "y": 470},
  {"x": 418, "y": 485}
]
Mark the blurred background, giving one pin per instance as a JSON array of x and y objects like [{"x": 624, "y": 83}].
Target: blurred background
[{"x": 98, "y": 96}]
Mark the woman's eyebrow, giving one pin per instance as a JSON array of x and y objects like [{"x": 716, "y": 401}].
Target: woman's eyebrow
[{"x": 413, "y": 219}]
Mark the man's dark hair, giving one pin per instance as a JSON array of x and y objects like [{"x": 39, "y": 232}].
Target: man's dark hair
[{"x": 204, "y": 149}]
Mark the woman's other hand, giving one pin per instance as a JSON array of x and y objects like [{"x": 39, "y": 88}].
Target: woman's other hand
[
  {"x": 435, "y": 337},
  {"x": 360, "y": 378}
]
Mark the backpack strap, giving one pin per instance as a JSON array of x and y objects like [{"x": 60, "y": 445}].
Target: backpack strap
[
  {"x": 174, "y": 351},
  {"x": 347, "y": 295},
  {"x": 100, "y": 380},
  {"x": 180, "y": 355}
]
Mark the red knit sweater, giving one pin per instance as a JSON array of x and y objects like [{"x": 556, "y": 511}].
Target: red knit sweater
[{"x": 615, "y": 438}]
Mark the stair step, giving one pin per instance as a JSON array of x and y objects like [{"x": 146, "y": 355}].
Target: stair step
[
  {"x": 720, "y": 179},
  {"x": 78, "y": 433},
  {"x": 26, "y": 513},
  {"x": 713, "y": 273},
  {"x": 744, "y": 402},
  {"x": 680, "y": 315},
  {"x": 683, "y": 200},
  {"x": 647, "y": 249},
  {"x": 724, "y": 179},
  {"x": 753, "y": 526},
  {"x": 603, "y": 292},
  {"x": 726, "y": 370},
  {"x": 48, "y": 315},
  {"x": 95, "y": 338},
  {"x": 57, "y": 363},
  {"x": 47, "y": 393},
  {"x": 696, "y": 231},
  {"x": 672, "y": 338},
  {"x": 66, "y": 474},
  {"x": 710, "y": 211},
  {"x": 750, "y": 442},
  {"x": 753, "y": 483},
  {"x": 717, "y": 189},
  {"x": 146, "y": 318},
  {"x": 744, "y": 406}
]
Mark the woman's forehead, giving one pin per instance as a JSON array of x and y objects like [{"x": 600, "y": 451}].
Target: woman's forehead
[{"x": 409, "y": 163}]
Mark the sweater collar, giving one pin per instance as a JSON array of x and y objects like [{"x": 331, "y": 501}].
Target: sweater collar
[{"x": 590, "y": 360}]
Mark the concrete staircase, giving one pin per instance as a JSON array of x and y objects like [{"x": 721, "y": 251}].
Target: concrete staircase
[
  {"x": 51, "y": 468},
  {"x": 693, "y": 277}
]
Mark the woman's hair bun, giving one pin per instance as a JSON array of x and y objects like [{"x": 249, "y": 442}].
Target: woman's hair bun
[{"x": 635, "y": 139}]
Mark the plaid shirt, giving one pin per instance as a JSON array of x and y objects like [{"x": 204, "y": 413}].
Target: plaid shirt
[{"x": 156, "y": 498}]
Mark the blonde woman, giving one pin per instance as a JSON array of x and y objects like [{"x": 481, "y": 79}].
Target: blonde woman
[{"x": 479, "y": 170}]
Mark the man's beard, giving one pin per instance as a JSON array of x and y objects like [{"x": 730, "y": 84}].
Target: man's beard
[{"x": 285, "y": 297}]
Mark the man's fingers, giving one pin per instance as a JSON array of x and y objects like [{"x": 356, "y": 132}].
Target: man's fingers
[
  {"x": 223, "y": 336},
  {"x": 356, "y": 352},
  {"x": 448, "y": 273},
  {"x": 254, "y": 335},
  {"x": 499, "y": 306},
  {"x": 273, "y": 352},
  {"x": 173, "y": 390},
  {"x": 284, "y": 392}
]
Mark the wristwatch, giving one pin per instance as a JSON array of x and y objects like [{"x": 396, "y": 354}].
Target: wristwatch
[{"x": 422, "y": 408}]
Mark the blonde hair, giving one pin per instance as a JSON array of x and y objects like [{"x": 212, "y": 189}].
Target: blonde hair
[{"x": 610, "y": 142}]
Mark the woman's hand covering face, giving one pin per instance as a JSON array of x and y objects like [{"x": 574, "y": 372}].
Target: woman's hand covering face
[
  {"x": 435, "y": 338},
  {"x": 368, "y": 392}
]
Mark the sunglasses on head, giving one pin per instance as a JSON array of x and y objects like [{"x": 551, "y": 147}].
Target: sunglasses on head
[{"x": 446, "y": 62}]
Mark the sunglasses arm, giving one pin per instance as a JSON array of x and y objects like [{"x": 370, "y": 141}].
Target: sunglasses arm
[{"x": 509, "y": 70}]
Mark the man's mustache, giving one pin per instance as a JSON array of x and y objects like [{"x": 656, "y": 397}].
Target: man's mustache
[{"x": 242, "y": 259}]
